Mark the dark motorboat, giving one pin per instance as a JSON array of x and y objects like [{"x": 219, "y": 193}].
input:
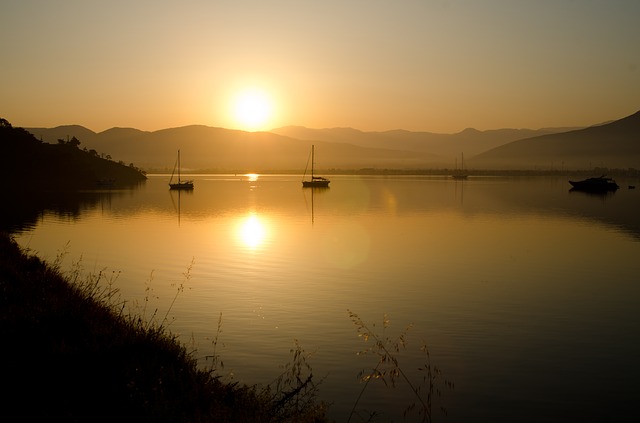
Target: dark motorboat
[{"x": 597, "y": 184}]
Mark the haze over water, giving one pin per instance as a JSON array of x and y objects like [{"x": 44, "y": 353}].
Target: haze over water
[{"x": 525, "y": 293}]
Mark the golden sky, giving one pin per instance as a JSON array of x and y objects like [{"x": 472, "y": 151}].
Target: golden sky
[{"x": 374, "y": 65}]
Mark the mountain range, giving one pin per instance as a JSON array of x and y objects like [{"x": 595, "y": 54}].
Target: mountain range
[{"x": 614, "y": 144}]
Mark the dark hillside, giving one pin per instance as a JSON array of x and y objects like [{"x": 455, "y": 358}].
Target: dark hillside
[
  {"x": 613, "y": 145},
  {"x": 35, "y": 165}
]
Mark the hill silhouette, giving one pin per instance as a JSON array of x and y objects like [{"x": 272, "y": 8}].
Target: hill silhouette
[
  {"x": 614, "y": 145},
  {"x": 36, "y": 165}
]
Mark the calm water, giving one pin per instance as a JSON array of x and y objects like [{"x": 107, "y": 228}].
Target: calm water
[{"x": 526, "y": 294}]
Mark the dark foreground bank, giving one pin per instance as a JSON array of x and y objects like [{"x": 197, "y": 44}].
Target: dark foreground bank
[{"x": 66, "y": 354}]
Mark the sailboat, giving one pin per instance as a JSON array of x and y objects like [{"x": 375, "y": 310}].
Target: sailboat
[
  {"x": 460, "y": 173},
  {"x": 185, "y": 185},
  {"x": 315, "y": 181}
]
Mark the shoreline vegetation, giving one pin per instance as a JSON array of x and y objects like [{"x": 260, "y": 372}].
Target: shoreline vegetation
[{"x": 74, "y": 354}]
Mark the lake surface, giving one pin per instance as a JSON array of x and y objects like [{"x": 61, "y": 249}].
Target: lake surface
[{"x": 526, "y": 294}]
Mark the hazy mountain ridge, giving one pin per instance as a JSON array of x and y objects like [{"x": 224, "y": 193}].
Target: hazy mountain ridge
[
  {"x": 217, "y": 149},
  {"x": 614, "y": 144},
  {"x": 470, "y": 141},
  {"x": 204, "y": 148}
]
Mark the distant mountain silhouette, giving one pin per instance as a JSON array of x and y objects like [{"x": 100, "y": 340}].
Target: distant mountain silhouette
[
  {"x": 470, "y": 141},
  {"x": 211, "y": 149},
  {"x": 61, "y": 133},
  {"x": 614, "y": 145},
  {"x": 223, "y": 150}
]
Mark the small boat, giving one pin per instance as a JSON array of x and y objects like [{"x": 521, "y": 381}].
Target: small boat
[
  {"x": 460, "y": 173},
  {"x": 180, "y": 185},
  {"x": 315, "y": 181},
  {"x": 600, "y": 183}
]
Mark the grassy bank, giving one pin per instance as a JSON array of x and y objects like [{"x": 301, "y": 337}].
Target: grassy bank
[{"x": 69, "y": 354}]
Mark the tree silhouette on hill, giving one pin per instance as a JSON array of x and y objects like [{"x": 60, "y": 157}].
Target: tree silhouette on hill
[{"x": 35, "y": 165}]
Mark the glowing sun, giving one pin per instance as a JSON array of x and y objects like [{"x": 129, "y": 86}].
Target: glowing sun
[{"x": 252, "y": 109}]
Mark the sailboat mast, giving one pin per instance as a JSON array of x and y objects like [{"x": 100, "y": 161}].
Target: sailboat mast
[
  {"x": 313, "y": 150},
  {"x": 178, "y": 165}
]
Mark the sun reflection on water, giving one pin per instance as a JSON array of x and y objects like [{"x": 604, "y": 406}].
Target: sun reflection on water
[{"x": 252, "y": 231}]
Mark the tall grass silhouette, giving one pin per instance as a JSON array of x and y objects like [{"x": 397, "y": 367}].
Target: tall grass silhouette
[
  {"x": 388, "y": 370},
  {"x": 293, "y": 395}
]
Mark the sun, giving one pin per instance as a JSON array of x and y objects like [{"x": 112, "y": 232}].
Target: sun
[{"x": 252, "y": 109}]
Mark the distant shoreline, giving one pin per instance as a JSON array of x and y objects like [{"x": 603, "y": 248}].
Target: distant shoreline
[{"x": 416, "y": 172}]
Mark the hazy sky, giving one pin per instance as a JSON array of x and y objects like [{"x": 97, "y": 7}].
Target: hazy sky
[{"x": 432, "y": 65}]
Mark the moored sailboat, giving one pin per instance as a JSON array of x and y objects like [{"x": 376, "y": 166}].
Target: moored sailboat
[
  {"x": 315, "y": 181},
  {"x": 180, "y": 185},
  {"x": 460, "y": 173}
]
